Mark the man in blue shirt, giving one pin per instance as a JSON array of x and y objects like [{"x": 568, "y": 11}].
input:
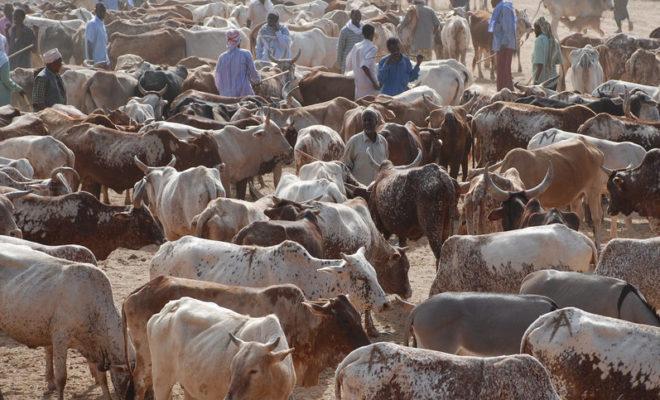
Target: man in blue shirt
[
  {"x": 96, "y": 39},
  {"x": 503, "y": 27},
  {"x": 396, "y": 71}
]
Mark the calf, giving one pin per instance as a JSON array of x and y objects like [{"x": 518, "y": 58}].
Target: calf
[
  {"x": 218, "y": 351},
  {"x": 497, "y": 262},
  {"x": 314, "y": 350},
  {"x": 593, "y": 357},
  {"x": 223, "y": 218},
  {"x": 455, "y": 38},
  {"x": 386, "y": 371}
]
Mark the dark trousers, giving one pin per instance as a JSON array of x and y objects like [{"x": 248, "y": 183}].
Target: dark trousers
[{"x": 503, "y": 60}]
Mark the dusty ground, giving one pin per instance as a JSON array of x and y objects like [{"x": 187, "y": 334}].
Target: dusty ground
[{"x": 22, "y": 369}]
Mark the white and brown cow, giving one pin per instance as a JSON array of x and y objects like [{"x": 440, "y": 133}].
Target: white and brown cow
[
  {"x": 594, "y": 357},
  {"x": 294, "y": 188},
  {"x": 317, "y": 142},
  {"x": 498, "y": 262},
  {"x": 334, "y": 171},
  {"x": 623, "y": 129},
  {"x": 218, "y": 353},
  {"x": 386, "y": 371},
  {"x": 586, "y": 69},
  {"x": 223, "y": 218}
]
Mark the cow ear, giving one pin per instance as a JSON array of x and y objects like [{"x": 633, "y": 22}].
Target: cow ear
[
  {"x": 238, "y": 342},
  {"x": 496, "y": 214},
  {"x": 317, "y": 309},
  {"x": 279, "y": 356}
]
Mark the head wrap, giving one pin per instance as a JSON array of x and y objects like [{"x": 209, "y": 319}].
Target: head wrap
[
  {"x": 233, "y": 38},
  {"x": 51, "y": 56}
]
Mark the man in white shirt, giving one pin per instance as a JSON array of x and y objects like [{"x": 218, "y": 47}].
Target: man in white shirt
[
  {"x": 362, "y": 61},
  {"x": 273, "y": 40},
  {"x": 365, "y": 148},
  {"x": 96, "y": 39},
  {"x": 258, "y": 10}
]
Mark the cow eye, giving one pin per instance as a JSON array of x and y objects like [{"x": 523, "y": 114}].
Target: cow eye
[{"x": 253, "y": 371}]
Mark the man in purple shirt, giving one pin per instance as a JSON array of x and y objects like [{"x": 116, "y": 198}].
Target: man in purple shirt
[
  {"x": 503, "y": 26},
  {"x": 235, "y": 72}
]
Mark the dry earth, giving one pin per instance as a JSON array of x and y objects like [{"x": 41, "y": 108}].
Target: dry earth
[{"x": 22, "y": 369}]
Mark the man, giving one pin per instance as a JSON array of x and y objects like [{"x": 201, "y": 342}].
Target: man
[
  {"x": 546, "y": 54},
  {"x": 48, "y": 86},
  {"x": 111, "y": 4},
  {"x": 349, "y": 36},
  {"x": 5, "y": 21},
  {"x": 234, "y": 71},
  {"x": 258, "y": 10},
  {"x": 396, "y": 71},
  {"x": 273, "y": 40},
  {"x": 427, "y": 26},
  {"x": 356, "y": 157},
  {"x": 96, "y": 39},
  {"x": 621, "y": 13},
  {"x": 20, "y": 37},
  {"x": 503, "y": 27},
  {"x": 362, "y": 61}
]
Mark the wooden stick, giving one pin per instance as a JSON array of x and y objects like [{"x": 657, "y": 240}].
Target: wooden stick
[
  {"x": 21, "y": 51},
  {"x": 275, "y": 76}
]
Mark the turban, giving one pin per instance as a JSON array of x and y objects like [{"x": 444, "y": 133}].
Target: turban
[
  {"x": 51, "y": 56},
  {"x": 233, "y": 38}
]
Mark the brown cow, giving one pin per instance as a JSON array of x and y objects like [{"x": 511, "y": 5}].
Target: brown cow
[
  {"x": 618, "y": 49},
  {"x": 164, "y": 46},
  {"x": 643, "y": 67},
  {"x": 581, "y": 24},
  {"x": 321, "y": 332},
  {"x": 636, "y": 189},
  {"x": 304, "y": 230},
  {"x": 406, "y": 141},
  {"x": 455, "y": 134},
  {"x": 404, "y": 111},
  {"x": 321, "y": 86}
]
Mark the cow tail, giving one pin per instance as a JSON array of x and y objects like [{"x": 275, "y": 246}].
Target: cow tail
[
  {"x": 408, "y": 331},
  {"x": 199, "y": 221},
  {"x": 240, "y": 236},
  {"x": 130, "y": 390}
]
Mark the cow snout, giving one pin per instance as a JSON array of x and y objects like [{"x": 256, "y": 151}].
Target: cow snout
[{"x": 16, "y": 233}]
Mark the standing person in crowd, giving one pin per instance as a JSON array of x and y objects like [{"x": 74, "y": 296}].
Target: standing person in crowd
[
  {"x": 621, "y": 13},
  {"x": 20, "y": 37},
  {"x": 96, "y": 39},
  {"x": 234, "y": 71},
  {"x": 356, "y": 158},
  {"x": 396, "y": 71},
  {"x": 350, "y": 35},
  {"x": 5, "y": 21},
  {"x": 427, "y": 26},
  {"x": 273, "y": 40},
  {"x": 546, "y": 54},
  {"x": 362, "y": 61},
  {"x": 258, "y": 11},
  {"x": 48, "y": 86},
  {"x": 503, "y": 27},
  {"x": 7, "y": 85}
]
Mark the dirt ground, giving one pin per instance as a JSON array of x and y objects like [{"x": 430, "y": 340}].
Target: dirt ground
[{"x": 22, "y": 369}]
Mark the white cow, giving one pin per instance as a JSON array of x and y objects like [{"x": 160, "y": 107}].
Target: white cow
[
  {"x": 594, "y": 357},
  {"x": 427, "y": 66},
  {"x": 220, "y": 22},
  {"x": 207, "y": 42},
  {"x": 314, "y": 9},
  {"x": 447, "y": 82},
  {"x": 587, "y": 73},
  {"x": 617, "y": 88},
  {"x": 334, "y": 171},
  {"x": 317, "y": 142},
  {"x": 418, "y": 92},
  {"x": 22, "y": 165},
  {"x": 174, "y": 197},
  {"x": 70, "y": 305},
  {"x": 387, "y": 371},
  {"x": 45, "y": 153},
  {"x": 181, "y": 131},
  {"x": 220, "y": 354},
  {"x": 199, "y": 13},
  {"x": 498, "y": 262},
  {"x": 147, "y": 108},
  {"x": 316, "y": 48},
  {"x": 456, "y": 38},
  {"x": 287, "y": 262},
  {"x": 223, "y": 218},
  {"x": 293, "y": 188}
]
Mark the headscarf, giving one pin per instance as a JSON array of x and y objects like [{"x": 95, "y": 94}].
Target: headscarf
[
  {"x": 233, "y": 39},
  {"x": 546, "y": 29},
  {"x": 51, "y": 56}
]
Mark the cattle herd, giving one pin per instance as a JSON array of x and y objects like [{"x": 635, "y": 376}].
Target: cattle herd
[{"x": 257, "y": 290}]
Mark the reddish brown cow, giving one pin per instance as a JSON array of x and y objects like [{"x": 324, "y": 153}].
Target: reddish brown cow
[
  {"x": 165, "y": 46},
  {"x": 320, "y": 86},
  {"x": 305, "y": 230},
  {"x": 453, "y": 130},
  {"x": 637, "y": 189},
  {"x": 581, "y": 24},
  {"x": 406, "y": 141},
  {"x": 323, "y": 333},
  {"x": 482, "y": 40}
]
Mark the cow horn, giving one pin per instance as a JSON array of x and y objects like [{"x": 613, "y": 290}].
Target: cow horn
[
  {"x": 272, "y": 345},
  {"x": 463, "y": 187},
  {"x": 141, "y": 166},
  {"x": 294, "y": 59},
  {"x": 267, "y": 121},
  {"x": 60, "y": 177},
  {"x": 413, "y": 164},
  {"x": 543, "y": 186},
  {"x": 17, "y": 194},
  {"x": 162, "y": 91},
  {"x": 138, "y": 193},
  {"x": 74, "y": 184},
  {"x": 238, "y": 342},
  {"x": 607, "y": 171},
  {"x": 140, "y": 89},
  {"x": 428, "y": 101},
  {"x": 499, "y": 195},
  {"x": 172, "y": 161}
]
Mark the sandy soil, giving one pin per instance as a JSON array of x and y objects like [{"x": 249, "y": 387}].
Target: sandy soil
[{"x": 22, "y": 369}]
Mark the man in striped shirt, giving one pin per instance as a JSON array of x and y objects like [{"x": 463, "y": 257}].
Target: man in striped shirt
[{"x": 350, "y": 35}]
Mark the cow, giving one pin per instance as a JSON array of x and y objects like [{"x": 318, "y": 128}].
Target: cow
[
  {"x": 162, "y": 46},
  {"x": 386, "y": 371},
  {"x": 45, "y": 153},
  {"x": 497, "y": 262},
  {"x": 223, "y": 218},
  {"x": 620, "y": 88},
  {"x": 635, "y": 261},
  {"x": 330, "y": 113},
  {"x": 643, "y": 67},
  {"x": 635, "y": 189},
  {"x": 321, "y": 86},
  {"x": 317, "y": 143},
  {"x": 71, "y": 252},
  {"x": 219, "y": 350},
  {"x": 535, "y": 215},
  {"x": 83, "y": 317},
  {"x": 8, "y": 226},
  {"x": 207, "y": 42},
  {"x": 446, "y": 81},
  {"x": 455, "y": 134},
  {"x": 502, "y": 126},
  {"x": 623, "y": 129},
  {"x": 23, "y": 125},
  {"x": 315, "y": 48},
  {"x": 287, "y": 262},
  {"x": 334, "y": 171},
  {"x": 455, "y": 38},
  {"x": 22, "y": 165},
  {"x": 293, "y": 188},
  {"x": 166, "y": 82},
  {"x": 89, "y": 90},
  {"x": 314, "y": 350},
  {"x": 150, "y": 107},
  {"x": 618, "y": 49},
  {"x": 587, "y": 71},
  {"x": 454, "y": 322},
  {"x": 81, "y": 219},
  {"x": 174, "y": 197},
  {"x": 582, "y": 23},
  {"x": 602, "y": 295},
  {"x": 593, "y": 357},
  {"x": 304, "y": 230},
  {"x": 572, "y": 8}
]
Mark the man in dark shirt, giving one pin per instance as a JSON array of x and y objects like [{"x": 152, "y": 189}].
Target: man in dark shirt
[
  {"x": 20, "y": 37},
  {"x": 48, "y": 86}
]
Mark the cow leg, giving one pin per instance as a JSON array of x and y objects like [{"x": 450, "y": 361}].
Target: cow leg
[
  {"x": 596, "y": 211},
  {"x": 518, "y": 55},
  {"x": 127, "y": 197},
  {"x": 277, "y": 173},
  {"x": 101, "y": 379},
  {"x": 59, "y": 365},
  {"x": 91, "y": 187},
  {"x": 240, "y": 188},
  {"x": 369, "y": 325},
  {"x": 142, "y": 372},
  {"x": 50, "y": 375},
  {"x": 614, "y": 222}
]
